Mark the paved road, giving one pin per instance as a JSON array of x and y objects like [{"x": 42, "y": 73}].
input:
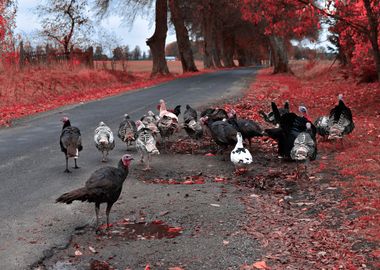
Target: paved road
[{"x": 32, "y": 165}]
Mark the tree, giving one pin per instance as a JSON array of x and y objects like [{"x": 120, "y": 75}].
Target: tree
[
  {"x": 127, "y": 54},
  {"x": 357, "y": 24},
  {"x": 156, "y": 42},
  {"x": 7, "y": 24},
  {"x": 136, "y": 53},
  {"x": 65, "y": 22},
  {"x": 99, "y": 55},
  {"x": 118, "y": 54},
  {"x": 282, "y": 21},
  {"x": 183, "y": 42},
  {"x": 144, "y": 57}
]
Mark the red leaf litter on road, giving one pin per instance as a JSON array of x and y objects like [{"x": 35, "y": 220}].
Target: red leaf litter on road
[
  {"x": 337, "y": 223},
  {"x": 147, "y": 267}
]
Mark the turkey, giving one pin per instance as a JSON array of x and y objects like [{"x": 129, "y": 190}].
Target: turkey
[
  {"x": 223, "y": 133},
  {"x": 290, "y": 126},
  {"x": 127, "y": 130},
  {"x": 215, "y": 114},
  {"x": 70, "y": 142},
  {"x": 340, "y": 120},
  {"x": 176, "y": 110},
  {"x": 246, "y": 127},
  {"x": 305, "y": 147},
  {"x": 146, "y": 144},
  {"x": 103, "y": 186},
  {"x": 337, "y": 124},
  {"x": 167, "y": 127},
  {"x": 269, "y": 117},
  {"x": 165, "y": 112},
  {"x": 322, "y": 124},
  {"x": 240, "y": 156},
  {"x": 104, "y": 140},
  {"x": 150, "y": 121},
  {"x": 191, "y": 124}
]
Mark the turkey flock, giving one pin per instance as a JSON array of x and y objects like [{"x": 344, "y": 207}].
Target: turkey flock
[{"x": 295, "y": 134}]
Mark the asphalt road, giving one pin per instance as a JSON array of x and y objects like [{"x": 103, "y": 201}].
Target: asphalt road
[{"x": 32, "y": 165}]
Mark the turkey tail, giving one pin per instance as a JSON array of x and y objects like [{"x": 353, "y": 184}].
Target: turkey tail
[
  {"x": 276, "y": 112},
  {"x": 79, "y": 194}
]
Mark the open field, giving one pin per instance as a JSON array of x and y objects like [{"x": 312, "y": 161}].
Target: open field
[{"x": 144, "y": 66}]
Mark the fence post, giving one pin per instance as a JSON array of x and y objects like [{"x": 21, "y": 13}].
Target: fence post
[
  {"x": 22, "y": 55},
  {"x": 90, "y": 57}
]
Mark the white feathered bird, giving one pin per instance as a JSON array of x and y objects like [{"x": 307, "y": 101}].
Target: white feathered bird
[
  {"x": 146, "y": 144},
  {"x": 104, "y": 139},
  {"x": 165, "y": 112},
  {"x": 150, "y": 121},
  {"x": 240, "y": 156}
]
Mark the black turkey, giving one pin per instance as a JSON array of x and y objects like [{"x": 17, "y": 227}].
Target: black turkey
[
  {"x": 191, "y": 124},
  {"x": 269, "y": 117},
  {"x": 247, "y": 128},
  {"x": 70, "y": 142},
  {"x": 338, "y": 123},
  {"x": 223, "y": 133},
  {"x": 290, "y": 126},
  {"x": 215, "y": 114},
  {"x": 340, "y": 120},
  {"x": 103, "y": 186}
]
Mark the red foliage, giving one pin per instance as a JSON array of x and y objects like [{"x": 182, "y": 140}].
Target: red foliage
[
  {"x": 37, "y": 90},
  {"x": 324, "y": 240}
]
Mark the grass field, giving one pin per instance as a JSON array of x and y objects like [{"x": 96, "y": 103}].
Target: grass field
[{"x": 143, "y": 66}]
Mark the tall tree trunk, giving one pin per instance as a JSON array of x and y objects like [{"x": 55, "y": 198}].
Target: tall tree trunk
[
  {"x": 228, "y": 48},
  {"x": 373, "y": 35},
  {"x": 156, "y": 42},
  {"x": 279, "y": 55},
  {"x": 183, "y": 42},
  {"x": 214, "y": 45},
  {"x": 207, "y": 40},
  {"x": 241, "y": 57}
]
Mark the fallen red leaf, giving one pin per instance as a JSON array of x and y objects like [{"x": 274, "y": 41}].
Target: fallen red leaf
[
  {"x": 260, "y": 265},
  {"x": 175, "y": 229}
]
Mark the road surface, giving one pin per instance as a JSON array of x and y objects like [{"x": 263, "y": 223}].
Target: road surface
[{"x": 32, "y": 164}]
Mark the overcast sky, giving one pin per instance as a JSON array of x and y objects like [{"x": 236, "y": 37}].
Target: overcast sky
[{"x": 27, "y": 22}]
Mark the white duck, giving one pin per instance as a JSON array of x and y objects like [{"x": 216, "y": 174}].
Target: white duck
[{"x": 240, "y": 156}]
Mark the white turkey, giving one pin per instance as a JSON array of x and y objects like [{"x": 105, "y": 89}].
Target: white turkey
[
  {"x": 70, "y": 142},
  {"x": 305, "y": 147},
  {"x": 104, "y": 140},
  {"x": 240, "y": 156},
  {"x": 146, "y": 144},
  {"x": 127, "y": 130},
  {"x": 150, "y": 121},
  {"x": 165, "y": 112}
]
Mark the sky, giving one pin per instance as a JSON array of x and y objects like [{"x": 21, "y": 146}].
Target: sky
[{"x": 131, "y": 35}]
